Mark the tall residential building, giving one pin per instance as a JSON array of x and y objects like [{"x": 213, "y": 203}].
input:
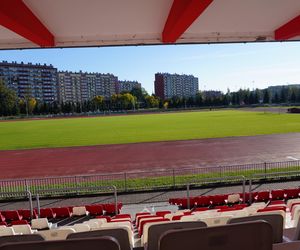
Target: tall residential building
[
  {"x": 168, "y": 85},
  {"x": 128, "y": 86},
  {"x": 35, "y": 80},
  {"x": 82, "y": 86}
]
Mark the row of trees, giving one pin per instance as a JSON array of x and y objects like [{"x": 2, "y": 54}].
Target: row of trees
[{"x": 138, "y": 98}]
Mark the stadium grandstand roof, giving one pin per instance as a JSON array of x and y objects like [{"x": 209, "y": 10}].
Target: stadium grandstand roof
[{"x": 79, "y": 23}]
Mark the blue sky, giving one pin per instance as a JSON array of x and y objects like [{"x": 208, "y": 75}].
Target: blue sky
[{"x": 218, "y": 66}]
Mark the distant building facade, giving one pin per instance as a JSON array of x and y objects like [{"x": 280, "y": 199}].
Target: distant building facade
[
  {"x": 35, "y": 80},
  {"x": 168, "y": 85},
  {"x": 82, "y": 86},
  {"x": 127, "y": 86}
]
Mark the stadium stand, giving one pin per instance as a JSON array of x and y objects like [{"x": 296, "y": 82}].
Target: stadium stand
[{"x": 101, "y": 243}]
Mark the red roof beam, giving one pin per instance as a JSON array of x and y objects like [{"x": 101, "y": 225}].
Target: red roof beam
[
  {"x": 17, "y": 17},
  {"x": 182, "y": 14},
  {"x": 288, "y": 30}
]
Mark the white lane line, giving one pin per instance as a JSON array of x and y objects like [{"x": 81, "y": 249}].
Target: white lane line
[{"x": 292, "y": 158}]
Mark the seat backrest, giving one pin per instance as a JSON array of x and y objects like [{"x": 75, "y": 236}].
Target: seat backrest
[
  {"x": 22, "y": 229},
  {"x": 4, "y": 231},
  {"x": 216, "y": 221},
  {"x": 157, "y": 230},
  {"x": 247, "y": 236},
  {"x": 62, "y": 212},
  {"x": 233, "y": 198},
  {"x": 80, "y": 227},
  {"x": 294, "y": 245},
  {"x": 47, "y": 213},
  {"x": 79, "y": 211},
  {"x": 119, "y": 234},
  {"x": 41, "y": 223},
  {"x": 12, "y": 215},
  {"x": 56, "y": 234},
  {"x": 20, "y": 238},
  {"x": 103, "y": 243},
  {"x": 275, "y": 220}
]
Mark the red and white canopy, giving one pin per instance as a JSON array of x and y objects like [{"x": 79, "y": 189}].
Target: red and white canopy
[{"x": 70, "y": 23}]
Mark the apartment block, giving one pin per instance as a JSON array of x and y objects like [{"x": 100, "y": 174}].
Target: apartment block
[
  {"x": 35, "y": 80},
  {"x": 168, "y": 85}
]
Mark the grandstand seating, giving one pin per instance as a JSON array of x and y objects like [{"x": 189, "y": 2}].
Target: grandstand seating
[
  {"x": 220, "y": 238},
  {"x": 26, "y": 214},
  {"x": 20, "y": 238},
  {"x": 275, "y": 220},
  {"x": 118, "y": 233},
  {"x": 155, "y": 231},
  {"x": 12, "y": 215},
  {"x": 47, "y": 213},
  {"x": 101, "y": 243}
]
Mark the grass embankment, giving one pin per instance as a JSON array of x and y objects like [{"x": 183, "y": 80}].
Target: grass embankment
[{"x": 142, "y": 128}]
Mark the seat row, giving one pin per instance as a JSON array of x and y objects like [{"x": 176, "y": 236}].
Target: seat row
[
  {"x": 20, "y": 216},
  {"x": 248, "y": 234},
  {"x": 222, "y": 199}
]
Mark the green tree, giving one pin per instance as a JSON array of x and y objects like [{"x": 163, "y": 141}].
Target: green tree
[
  {"x": 152, "y": 101},
  {"x": 8, "y": 101},
  {"x": 266, "y": 98},
  {"x": 98, "y": 102}
]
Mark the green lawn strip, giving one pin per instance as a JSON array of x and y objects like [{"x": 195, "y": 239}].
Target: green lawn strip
[{"x": 142, "y": 128}]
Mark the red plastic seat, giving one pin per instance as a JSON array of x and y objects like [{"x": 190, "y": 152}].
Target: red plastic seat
[
  {"x": 202, "y": 201},
  {"x": 108, "y": 218},
  {"x": 2, "y": 217},
  {"x": 200, "y": 209},
  {"x": 247, "y": 197},
  {"x": 62, "y": 212},
  {"x": 3, "y": 223},
  {"x": 277, "y": 202},
  {"x": 12, "y": 215},
  {"x": 142, "y": 213},
  {"x": 47, "y": 213},
  {"x": 120, "y": 220},
  {"x": 27, "y": 215},
  {"x": 162, "y": 213},
  {"x": 217, "y": 200},
  {"x": 262, "y": 196},
  {"x": 143, "y": 223},
  {"x": 291, "y": 193},
  {"x": 122, "y": 216},
  {"x": 275, "y": 208},
  {"x": 94, "y": 209},
  {"x": 221, "y": 207},
  {"x": 229, "y": 209},
  {"x": 145, "y": 216},
  {"x": 110, "y": 208},
  {"x": 277, "y": 194},
  {"x": 19, "y": 222},
  {"x": 240, "y": 205}
]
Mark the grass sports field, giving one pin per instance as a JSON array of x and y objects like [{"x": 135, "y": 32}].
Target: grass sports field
[{"x": 142, "y": 128}]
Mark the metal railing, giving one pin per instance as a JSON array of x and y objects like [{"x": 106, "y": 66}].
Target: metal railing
[
  {"x": 137, "y": 181},
  {"x": 113, "y": 188}
]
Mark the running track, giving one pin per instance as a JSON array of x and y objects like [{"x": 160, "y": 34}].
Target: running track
[{"x": 148, "y": 156}]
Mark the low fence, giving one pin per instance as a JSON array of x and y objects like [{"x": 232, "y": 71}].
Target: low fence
[{"x": 143, "y": 180}]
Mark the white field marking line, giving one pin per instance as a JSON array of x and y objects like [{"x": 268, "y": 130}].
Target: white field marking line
[{"x": 292, "y": 158}]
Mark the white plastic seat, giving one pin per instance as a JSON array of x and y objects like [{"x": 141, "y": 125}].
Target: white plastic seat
[
  {"x": 282, "y": 213},
  {"x": 5, "y": 231},
  {"x": 40, "y": 223},
  {"x": 233, "y": 198},
  {"x": 127, "y": 227},
  {"x": 81, "y": 227},
  {"x": 95, "y": 224},
  {"x": 56, "y": 234},
  {"x": 189, "y": 218},
  {"x": 144, "y": 237},
  {"x": 290, "y": 202},
  {"x": 23, "y": 229},
  {"x": 79, "y": 211}
]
